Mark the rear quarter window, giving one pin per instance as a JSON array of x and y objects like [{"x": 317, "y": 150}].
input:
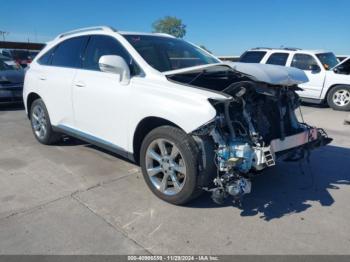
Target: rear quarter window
[
  {"x": 252, "y": 56},
  {"x": 69, "y": 52},
  {"x": 46, "y": 58}
]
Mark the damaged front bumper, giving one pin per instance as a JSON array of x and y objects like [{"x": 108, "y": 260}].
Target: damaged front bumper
[
  {"x": 249, "y": 138},
  {"x": 239, "y": 166},
  {"x": 306, "y": 140}
]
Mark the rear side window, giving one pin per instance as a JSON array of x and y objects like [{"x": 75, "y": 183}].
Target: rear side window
[
  {"x": 69, "y": 52},
  {"x": 46, "y": 58},
  {"x": 278, "y": 59},
  {"x": 303, "y": 61},
  {"x": 252, "y": 56},
  {"x": 100, "y": 45}
]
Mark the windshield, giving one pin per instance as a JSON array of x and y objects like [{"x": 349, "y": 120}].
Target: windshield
[
  {"x": 328, "y": 60},
  {"x": 166, "y": 54}
]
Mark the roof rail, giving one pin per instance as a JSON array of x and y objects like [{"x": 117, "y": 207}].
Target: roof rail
[
  {"x": 257, "y": 48},
  {"x": 291, "y": 48},
  {"x": 86, "y": 29},
  {"x": 278, "y": 48},
  {"x": 165, "y": 34}
]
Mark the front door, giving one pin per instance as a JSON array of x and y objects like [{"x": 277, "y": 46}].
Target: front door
[
  {"x": 315, "y": 73},
  {"x": 100, "y": 101}
]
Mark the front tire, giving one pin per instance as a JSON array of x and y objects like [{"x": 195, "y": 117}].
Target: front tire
[
  {"x": 41, "y": 125},
  {"x": 169, "y": 164},
  {"x": 339, "y": 98}
]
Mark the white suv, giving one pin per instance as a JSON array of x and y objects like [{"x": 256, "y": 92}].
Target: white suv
[
  {"x": 190, "y": 121},
  {"x": 329, "y": 80}
]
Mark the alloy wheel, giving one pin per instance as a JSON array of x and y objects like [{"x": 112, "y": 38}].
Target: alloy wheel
[
  {"x": 341, "y": 97},
  {"x": 39, "y": 121},
  {"x": 165, "y": 166}
]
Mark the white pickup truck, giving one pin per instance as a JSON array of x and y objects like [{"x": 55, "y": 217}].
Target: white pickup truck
[{"x": 329, "y": 79}]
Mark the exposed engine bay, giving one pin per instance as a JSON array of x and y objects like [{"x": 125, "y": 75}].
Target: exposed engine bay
[{"x": 254, "y": 127}]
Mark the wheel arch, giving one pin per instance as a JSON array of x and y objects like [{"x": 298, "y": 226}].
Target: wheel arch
[
  {"x": 332, "y": 87},
  {"x": 145, "y": 126},
  {"x": 30, "y": 99}
]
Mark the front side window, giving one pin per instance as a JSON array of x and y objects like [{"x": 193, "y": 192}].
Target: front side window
[
  {"x": 278, "y": 59},
  {"x": 303, "y": 61},
  {"x": 166, "y": 54},
  {"x": 344, "y": 68},
  {"x": 252, "y": 57},
  {"x": 69, "y": 52},
  {"x": 328, "y": 60},
  {"x": 100, "y": 45}
]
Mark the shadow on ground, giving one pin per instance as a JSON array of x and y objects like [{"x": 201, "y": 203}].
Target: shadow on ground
[
  {"x": 311, "y": 105},
  {"x": 292, "y": 187},
  {"x": 11, "y": 106}
]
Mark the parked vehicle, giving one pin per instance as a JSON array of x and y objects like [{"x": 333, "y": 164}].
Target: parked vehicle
[
  {"x": 192, "y": 122},
  {"x": 329, "y": 79},
  {"x": 22, "y": 57},
  {"x": 11, "y": 80},
  {"x": 5, "y": 52},
  {"x": 9, "y": 61}
]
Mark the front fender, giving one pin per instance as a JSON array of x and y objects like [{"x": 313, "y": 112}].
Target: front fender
[{"x": 186, "y": 111}]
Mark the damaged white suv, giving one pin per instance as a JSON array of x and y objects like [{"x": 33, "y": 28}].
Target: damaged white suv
[{"x": 191, "y": 122}]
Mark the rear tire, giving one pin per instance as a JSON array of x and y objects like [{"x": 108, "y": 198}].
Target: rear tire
[
  {"x": 169, "y": 163},
  {"x": 41, "y": 125},
  {"x": 338, "y": 98}
]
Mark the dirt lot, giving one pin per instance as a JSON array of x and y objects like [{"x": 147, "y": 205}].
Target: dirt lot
[{"x": 75, "y": 199}]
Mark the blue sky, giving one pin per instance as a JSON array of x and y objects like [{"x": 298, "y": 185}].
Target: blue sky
[{"x": 225, "y": 27}]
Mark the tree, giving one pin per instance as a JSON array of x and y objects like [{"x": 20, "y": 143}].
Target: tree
[{"x": 170, "y": 25}]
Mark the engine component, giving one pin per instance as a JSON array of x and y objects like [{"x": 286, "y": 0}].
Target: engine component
[
  {"x": 250, "y": 130},
  {"x": 239, "y": 187},
  {"x": 237, "y": 155}
]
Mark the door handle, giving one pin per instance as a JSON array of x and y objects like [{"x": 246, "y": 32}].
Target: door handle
[
  {"x": 42, "y": 77},
  {"x": 79, "y": 84}
]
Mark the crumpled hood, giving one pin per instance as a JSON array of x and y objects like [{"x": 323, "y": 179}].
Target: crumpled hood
[
  {"x": 272, "y": 74},
  {"x": 11, "y": 76}
]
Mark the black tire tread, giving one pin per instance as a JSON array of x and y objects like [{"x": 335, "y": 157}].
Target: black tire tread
[
  {"x": 185, "y": 141},
  {"x": 52, "y": 137},
  {"x": 330, "y": 100}
]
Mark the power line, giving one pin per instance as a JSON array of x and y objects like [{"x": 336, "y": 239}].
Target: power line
[{"x": 3, "y": 34}]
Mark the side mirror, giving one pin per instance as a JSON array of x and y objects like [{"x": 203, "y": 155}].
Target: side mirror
[
  {"x": 338, "y": 69},
  {"x": 117, "y": 65},
  {"x": 315, "y": 68}
]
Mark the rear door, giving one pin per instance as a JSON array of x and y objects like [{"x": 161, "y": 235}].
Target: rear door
[
  {"x": 55, "y": 76},
  {"x": 315, "y": 73}
]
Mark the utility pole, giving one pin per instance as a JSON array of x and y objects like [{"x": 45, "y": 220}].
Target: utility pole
[{"x": 3, "y": 34}]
